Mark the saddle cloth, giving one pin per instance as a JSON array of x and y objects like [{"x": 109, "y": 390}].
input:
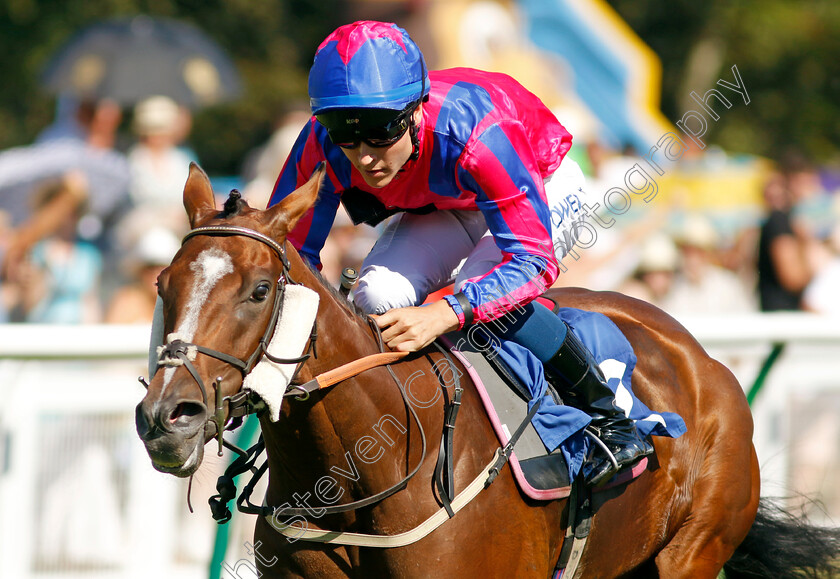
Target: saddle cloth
[{"x": 553, "y": 448}]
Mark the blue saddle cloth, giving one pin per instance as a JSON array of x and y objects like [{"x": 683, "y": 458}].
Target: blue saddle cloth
[{"x": 562, "y": 426}]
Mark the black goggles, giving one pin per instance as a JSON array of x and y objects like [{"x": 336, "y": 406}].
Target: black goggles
[{"x": 347, "y": 128}]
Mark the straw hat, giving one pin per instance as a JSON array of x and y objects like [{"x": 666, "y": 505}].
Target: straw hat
[
  {"x": 157, "y": 246},
  {"x": 156, "y": 115},
  {"x": 697, "y": 231},
  {"x": 658, "y": 253}
]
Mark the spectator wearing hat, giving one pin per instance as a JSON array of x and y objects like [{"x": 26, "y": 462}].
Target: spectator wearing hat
[
  {"x": 134, "y": 302},
  {"x": 159, "y": 167},
  {"x": 701, "y": 286},
  {"x": 653, "y": 278}
]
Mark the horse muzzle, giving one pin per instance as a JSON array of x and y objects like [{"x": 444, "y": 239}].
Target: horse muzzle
[
  {"x": 174, "y": 434},
  {"x": 184, "y": 469}
]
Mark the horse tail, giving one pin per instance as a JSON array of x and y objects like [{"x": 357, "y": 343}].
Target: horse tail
[{"x": 783, "y": 545}]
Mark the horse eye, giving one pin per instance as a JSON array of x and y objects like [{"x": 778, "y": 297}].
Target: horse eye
[{"x": 261, "y": 292}]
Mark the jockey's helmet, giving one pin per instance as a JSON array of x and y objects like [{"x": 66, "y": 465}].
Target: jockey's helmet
[{"x": 366, "y": 80}]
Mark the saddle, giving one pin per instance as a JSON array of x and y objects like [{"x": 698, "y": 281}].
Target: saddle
[{"x": 540, "y": 474}]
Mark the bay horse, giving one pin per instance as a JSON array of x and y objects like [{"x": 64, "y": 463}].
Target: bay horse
[{"x": 685, "y": 516}]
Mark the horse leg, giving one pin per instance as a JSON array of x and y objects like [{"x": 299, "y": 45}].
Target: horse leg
[{"x": 721, "y": 510}]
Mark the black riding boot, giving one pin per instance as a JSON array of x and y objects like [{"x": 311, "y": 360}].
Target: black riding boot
[{"x": 577, "y": 377}]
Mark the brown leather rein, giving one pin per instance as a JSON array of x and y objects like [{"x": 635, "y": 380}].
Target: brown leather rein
[{"x": 244, "y": 402}]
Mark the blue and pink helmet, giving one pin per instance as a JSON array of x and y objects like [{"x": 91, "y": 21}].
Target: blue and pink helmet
[{"x": 367, "y": 65}]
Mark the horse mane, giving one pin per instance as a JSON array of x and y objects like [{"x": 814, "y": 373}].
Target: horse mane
[
  {"x": 341, "y": 299},
  {"x": 234, "y": 203}
]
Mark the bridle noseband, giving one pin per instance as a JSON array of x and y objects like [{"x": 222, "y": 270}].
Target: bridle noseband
[{"x": 178, "y": 352}]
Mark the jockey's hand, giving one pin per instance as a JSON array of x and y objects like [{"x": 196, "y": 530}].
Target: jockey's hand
[{"x": 412, "y": 329}]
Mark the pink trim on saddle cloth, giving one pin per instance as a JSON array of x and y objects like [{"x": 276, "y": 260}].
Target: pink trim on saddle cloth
[
  {"x": 540, "y": 495},
  {"x": 537, "y": 494}
]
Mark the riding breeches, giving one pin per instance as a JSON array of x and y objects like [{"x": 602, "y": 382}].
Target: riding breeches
[{"x": 419, "y": 254}]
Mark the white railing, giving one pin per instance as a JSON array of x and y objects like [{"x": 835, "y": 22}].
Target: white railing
[
  {"x": 30, "y": 341},
  {"x": 752, "y": 329},
  {"x": 78, "y": 496},
  {"x": 796, "y": 410}
]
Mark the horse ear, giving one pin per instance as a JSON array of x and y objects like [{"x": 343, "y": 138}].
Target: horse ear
[
  {"x": 198, "y": 196},
  {"x": 286, "y": 214}
]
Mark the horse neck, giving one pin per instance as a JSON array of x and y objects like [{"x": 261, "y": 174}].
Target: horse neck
[
  {"x": 315, "y": 435},
  {"x": 342, "y": 335}
]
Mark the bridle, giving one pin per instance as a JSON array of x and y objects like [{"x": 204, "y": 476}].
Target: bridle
[{"x": 178, "y": 352}]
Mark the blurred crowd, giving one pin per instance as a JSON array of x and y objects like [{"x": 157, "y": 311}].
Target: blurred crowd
[
  {"x": 785, "y": 259},
  {"x": 92, "y": 211},
  {"x": 87, "y": 221}
]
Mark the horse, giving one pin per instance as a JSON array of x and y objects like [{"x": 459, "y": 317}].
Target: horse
[{"x": 691, "y": 512}]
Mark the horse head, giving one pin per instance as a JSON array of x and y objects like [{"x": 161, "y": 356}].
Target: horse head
[{"x": 220, "y": 297}]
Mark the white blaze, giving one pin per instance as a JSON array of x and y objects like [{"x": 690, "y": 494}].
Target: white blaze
[{"x": 210, "y": 266}]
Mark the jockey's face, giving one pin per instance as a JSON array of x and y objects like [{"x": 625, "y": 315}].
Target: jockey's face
[{"x": 379, "y": 165}]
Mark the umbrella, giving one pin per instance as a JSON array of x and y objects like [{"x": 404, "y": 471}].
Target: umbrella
[{"x": 129, "y": 59}]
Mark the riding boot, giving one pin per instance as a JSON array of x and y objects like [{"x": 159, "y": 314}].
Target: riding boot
[{"x": 577, "y": 377}]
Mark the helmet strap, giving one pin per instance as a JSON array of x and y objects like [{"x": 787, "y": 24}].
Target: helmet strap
[{"x": 413, "y": 131}]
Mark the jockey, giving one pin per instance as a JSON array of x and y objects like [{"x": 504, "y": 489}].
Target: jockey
[{"x": 465, "y": 158}]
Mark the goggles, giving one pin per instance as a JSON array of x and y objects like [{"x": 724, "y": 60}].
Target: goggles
[{"x": 347, "y": 128}]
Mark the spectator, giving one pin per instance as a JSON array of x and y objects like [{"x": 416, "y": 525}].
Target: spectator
[
  {"x": 783, "y": 268},
  {"x": 54, "y": 200},
  {"x": 66, "y": 124},
  {"x": 346, "y": 246},
  {"x": 81, "y": 139},
  {"x": 93, "y": 122},
  {"x": 701, "y": 285},
  {"x": 265, "y": 163},
  {"x": 134, "y": 302},
  {"x": 9, "y": 294},
  {"x": 101, "y": 121},
  {"x": 739, "y": 257},
  {"x": 820, "y": 295},
  {"x": 84, "y": 143},
  {"x": 59, "y": 275},
  {"x": 615, "y": 253},
  {"x": 654, "y": 276},
  {"x": 159, "y": 168}
]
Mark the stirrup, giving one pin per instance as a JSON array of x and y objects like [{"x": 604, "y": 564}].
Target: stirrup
[
  {"x": 607, "y": 465},
  {"x": 602, "y": 445}
]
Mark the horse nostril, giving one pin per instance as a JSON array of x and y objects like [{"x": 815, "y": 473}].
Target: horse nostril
[
  {"x": 142, "y": 422},
  {"x": 183, "y": 413}
]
